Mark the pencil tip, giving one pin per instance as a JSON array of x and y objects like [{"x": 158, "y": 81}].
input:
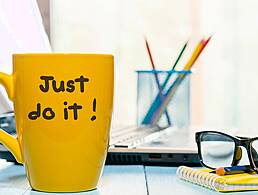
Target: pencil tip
[
  {"x": 145, "y": 38},
  {"x": 207, "y": 41},
  {"x": 209, "y": 38}
]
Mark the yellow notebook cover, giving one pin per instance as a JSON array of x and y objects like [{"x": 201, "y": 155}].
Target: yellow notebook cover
[{"x": 227, "y": 183}]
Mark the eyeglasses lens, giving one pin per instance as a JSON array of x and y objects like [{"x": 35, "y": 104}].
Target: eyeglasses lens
[{"x": 217, "y": 150}]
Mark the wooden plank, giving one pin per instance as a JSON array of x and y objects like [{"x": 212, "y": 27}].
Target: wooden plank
[
  {"x": 116, "y": 180},
  {"x": 12, "y": 176},
  {"x": 11, "y": 191},
  {"x": 123, "y": 180},
  {"x": 163, "y": 180}
]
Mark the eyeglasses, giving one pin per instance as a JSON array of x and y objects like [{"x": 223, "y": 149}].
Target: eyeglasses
[{"x": 218, "y": 149}]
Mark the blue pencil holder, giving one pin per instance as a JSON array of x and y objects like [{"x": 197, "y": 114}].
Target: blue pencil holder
[{"x": 177, "y": 109}]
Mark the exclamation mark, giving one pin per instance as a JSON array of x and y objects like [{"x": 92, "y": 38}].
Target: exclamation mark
[{"x": 93, "y": 118}]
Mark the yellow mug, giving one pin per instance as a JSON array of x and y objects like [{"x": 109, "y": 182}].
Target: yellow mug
[{"x": 63, "y": 105}]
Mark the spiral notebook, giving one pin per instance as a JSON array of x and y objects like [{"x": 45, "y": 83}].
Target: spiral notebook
[{"x": 227, "y": 183}]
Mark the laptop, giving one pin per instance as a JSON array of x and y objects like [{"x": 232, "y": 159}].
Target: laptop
[
  {"x": 152, "y": 145},
  {"x": 135, "y": 145}
]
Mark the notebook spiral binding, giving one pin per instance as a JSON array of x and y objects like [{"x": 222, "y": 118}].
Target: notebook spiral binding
[{"x": 205, "y": 179}]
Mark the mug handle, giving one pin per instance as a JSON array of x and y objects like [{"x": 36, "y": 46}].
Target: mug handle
[{"x": 6, "y": 139}]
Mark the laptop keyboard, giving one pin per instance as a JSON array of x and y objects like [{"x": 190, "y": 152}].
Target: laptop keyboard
[{"x": 130, "y": 137}]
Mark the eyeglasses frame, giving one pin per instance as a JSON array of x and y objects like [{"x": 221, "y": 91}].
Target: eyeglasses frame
[{"x": 238, "y": 141}]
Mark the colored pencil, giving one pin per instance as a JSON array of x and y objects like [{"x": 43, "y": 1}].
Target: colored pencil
[
  {"x": 161, "y": 95},
  {"x": 221, "y": 171},
  {"x": 174, "y": 66},
  {"x": 179, "y": 56}
]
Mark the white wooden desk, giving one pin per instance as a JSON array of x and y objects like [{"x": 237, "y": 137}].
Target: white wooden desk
[{"x": 116, "y": 180}]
